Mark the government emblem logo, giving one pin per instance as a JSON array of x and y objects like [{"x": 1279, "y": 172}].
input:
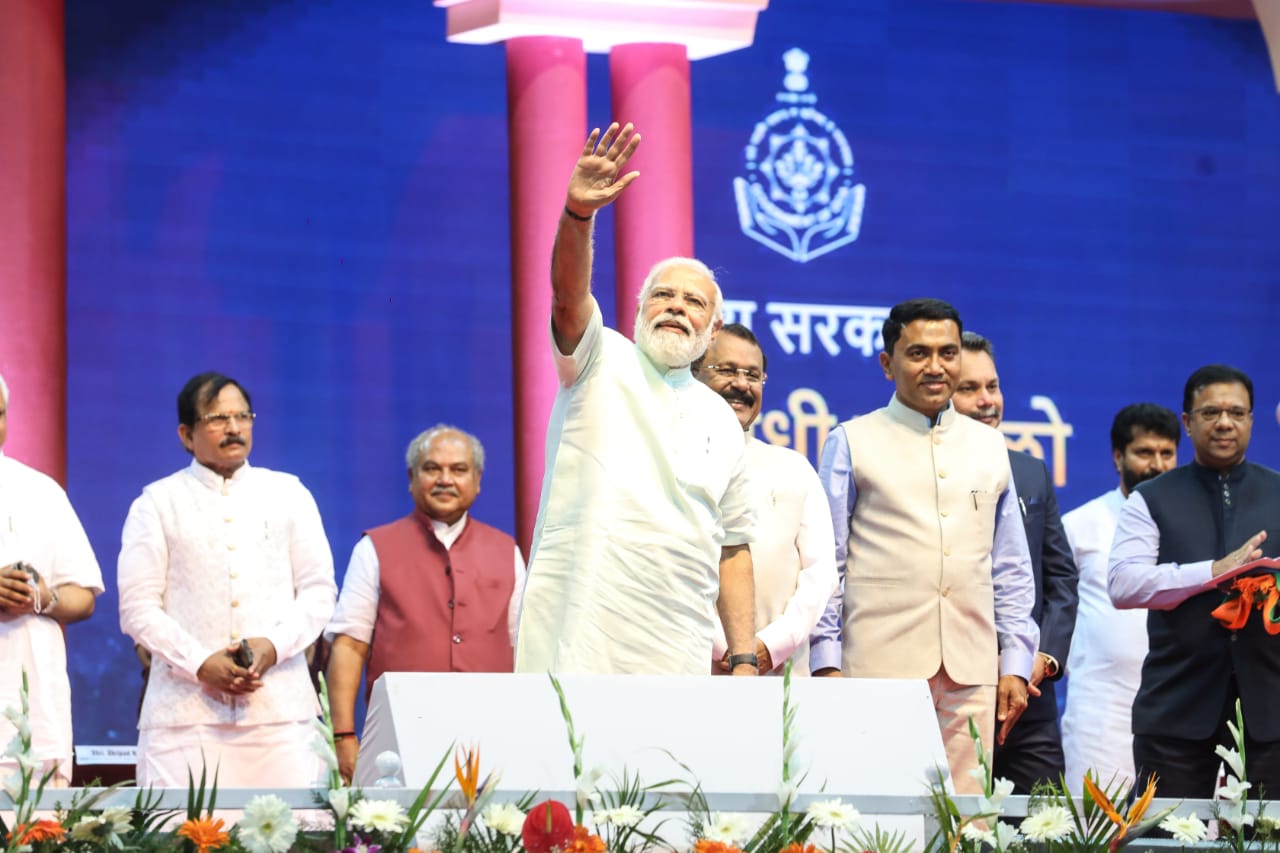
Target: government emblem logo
[{"x": 798, "y": 196}]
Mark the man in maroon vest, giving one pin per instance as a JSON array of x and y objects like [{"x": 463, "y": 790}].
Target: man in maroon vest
[{"x": 439, "y": 590}]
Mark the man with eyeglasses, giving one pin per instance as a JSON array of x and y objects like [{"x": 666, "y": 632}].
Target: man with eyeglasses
[
  {"x": 49, "y": 578},
  {"x": 226, "y": 578},
  {"x": 795, "y": 568},
  {"x": 643, "y": 529},
  {"x": 1176, "y": 534}
]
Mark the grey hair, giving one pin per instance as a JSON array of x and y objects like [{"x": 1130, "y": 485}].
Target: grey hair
[
  {"x": 974, "y": 342},
  {"x": 414, "y": 454},
  {"x": 661, "y": 267},
  {"x": 4, "y": 392}
]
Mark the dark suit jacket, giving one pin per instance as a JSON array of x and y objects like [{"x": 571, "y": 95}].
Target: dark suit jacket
[{"x": 1055, "y": 573}]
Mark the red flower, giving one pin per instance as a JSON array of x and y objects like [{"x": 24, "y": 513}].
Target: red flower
[
  {"x": 795, "y": 847},
  {"x": 547, "y": 827}
]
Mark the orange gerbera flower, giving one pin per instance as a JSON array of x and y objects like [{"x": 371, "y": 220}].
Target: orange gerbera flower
[
  {"x": 706, "y": 846},
  {"x": 584, "y": 841},
  {"x": 795, "y": 847},
  {"x": 34, "y": 833},
  {"x": 206, "y": 834}
]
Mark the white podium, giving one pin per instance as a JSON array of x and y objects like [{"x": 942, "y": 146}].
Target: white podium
[{"x": 856, "y": 736}]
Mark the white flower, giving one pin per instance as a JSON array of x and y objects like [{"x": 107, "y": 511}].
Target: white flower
[
  {"x": 267, "y": 825},
  {"x": 586, "y": 785},
  {"x": 1006, "y": 836},
  {"x": 1188, "y": 829},
  {"x": 13, "y": 785},
  {"x": 1000, "y": 789},
  {"x": 732, "y": 829},
  {"x": 833, "y": 814},
  {"x": 1237, "y": 816},
  {"x": 15, "y": 747},
  {"x": 340, "y": 802},
  {"x": 13, "y": 715},
  {"x": 975, "y": 833},
  {"x": 503, "y": 817},
  {"x": 620, "y": 816},
  {"x": 378, "y": 815},
  {"x": 104, "y": 829},
  {"x": 1233, "y": 759},
  {"x": 1048, "y": 824},
  {"x": 787, "y": 793},
  {"x": 1233, "y": 790},
  {"x": 324, "y": 749}
]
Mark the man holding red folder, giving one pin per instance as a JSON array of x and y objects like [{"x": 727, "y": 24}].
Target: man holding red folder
[{"x": 1169, "y": 548}]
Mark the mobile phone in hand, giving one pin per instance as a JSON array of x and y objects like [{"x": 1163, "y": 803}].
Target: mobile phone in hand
[{"x": 244, "y": 655}]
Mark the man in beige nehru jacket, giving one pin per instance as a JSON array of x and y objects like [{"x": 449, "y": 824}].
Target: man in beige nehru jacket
[{"x": 937, "y": 576}]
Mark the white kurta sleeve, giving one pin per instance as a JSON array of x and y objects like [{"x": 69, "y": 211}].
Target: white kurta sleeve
[
  {"x": 142, "y": 578},
  {"x": 314, "y": 591},
  {"x": 517, "y": 595},
  {"x": 818, "y": 579},
  {"x": 357, "y": 609}
]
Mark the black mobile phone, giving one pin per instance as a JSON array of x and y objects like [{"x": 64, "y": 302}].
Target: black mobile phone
[{"x": 244, "y": 655}]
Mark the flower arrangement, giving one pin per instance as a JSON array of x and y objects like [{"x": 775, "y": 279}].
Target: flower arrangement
[
  {"x": 622, "y": 817},
  {"x": 1055, "y": 820},
  {"x": 1246, "y": 594}
]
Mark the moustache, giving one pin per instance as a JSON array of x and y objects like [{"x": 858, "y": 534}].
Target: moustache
[
  {"x": 668, "y": 317},
  {"x": 444, "y": 491},
  {"x": 733, "y": 395},
  {"x": 232, "y": 439}
]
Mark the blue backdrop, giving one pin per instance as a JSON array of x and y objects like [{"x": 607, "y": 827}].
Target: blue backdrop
[{"x": 311, "y": 197}]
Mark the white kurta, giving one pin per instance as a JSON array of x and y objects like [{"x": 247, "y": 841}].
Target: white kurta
[
  {"x": 646, "y": 481},
  {"x": 205, "y": 562},
  {"x": 1107, "y": 650},
  {"x": 795, "y": 566},
  {"x": 357, "y": 610},
  {"x": 39, "y": 527}
]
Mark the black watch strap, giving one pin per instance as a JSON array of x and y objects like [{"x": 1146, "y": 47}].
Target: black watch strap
[{"x": 739, "y": 660}]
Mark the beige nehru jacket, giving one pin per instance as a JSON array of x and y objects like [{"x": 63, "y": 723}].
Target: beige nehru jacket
[{"x": 918, "y": 588}]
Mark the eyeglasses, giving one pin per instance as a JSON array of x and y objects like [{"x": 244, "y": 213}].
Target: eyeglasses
[
  {"x": 222, "y": 420},
  {"x": 753, "y": 376},
  {"x": 1210, "y": 414}
]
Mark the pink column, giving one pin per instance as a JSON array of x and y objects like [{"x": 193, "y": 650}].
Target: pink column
[
  {"x": 654, "y": 219},
  {"x": 33, "y": 301},
  {"x": 546, "y": 117}
]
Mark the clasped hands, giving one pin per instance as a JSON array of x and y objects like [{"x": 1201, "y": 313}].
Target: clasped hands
[{"x": 221, "y": 672}]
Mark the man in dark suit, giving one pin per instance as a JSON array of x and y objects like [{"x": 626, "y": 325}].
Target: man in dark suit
[
  {"x": 1033, "y": 750},
  {"x": 1175, "y": 536}
]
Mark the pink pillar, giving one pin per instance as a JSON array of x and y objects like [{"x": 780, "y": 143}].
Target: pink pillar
[
  {"x": 654, "y": 219},
  {"x": 546, "y": 118},
  {"x": 33, "y": 231}
]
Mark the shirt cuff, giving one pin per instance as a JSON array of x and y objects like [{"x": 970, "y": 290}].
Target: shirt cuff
[
  {"x": 824, "y": 653},
  {"x": 775, "y": 639},
  {"x": 1016, "y": 662}
]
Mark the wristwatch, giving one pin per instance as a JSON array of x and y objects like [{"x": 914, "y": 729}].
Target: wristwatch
[{"x": 738, "y": 660}]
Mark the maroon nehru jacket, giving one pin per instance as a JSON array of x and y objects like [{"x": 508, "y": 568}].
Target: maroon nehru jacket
[{"x": 441, "y": 610}]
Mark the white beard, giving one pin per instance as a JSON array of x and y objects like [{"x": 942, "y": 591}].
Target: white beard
[{"x": 669, "y": 348}]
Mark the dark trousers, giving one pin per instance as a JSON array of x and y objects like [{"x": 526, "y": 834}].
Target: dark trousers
[
  {"x": 1189, "y": 767},
  {"x": 1032, "y": 753}
]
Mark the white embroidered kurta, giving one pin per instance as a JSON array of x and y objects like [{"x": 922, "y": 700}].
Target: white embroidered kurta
[
  {"x": 1107, "y": 650},
  {"x": 795, "y": 567},
  {"x": 645, "y": 482},
  {"x": 207, "y": 561},
  {"x": 39, "y": 527}
]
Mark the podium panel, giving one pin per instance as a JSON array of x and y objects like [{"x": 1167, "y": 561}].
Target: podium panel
[{"x": 856, "y": 736}]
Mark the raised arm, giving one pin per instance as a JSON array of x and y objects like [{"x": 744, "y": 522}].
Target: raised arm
[{"x": 596, "y": 181}]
